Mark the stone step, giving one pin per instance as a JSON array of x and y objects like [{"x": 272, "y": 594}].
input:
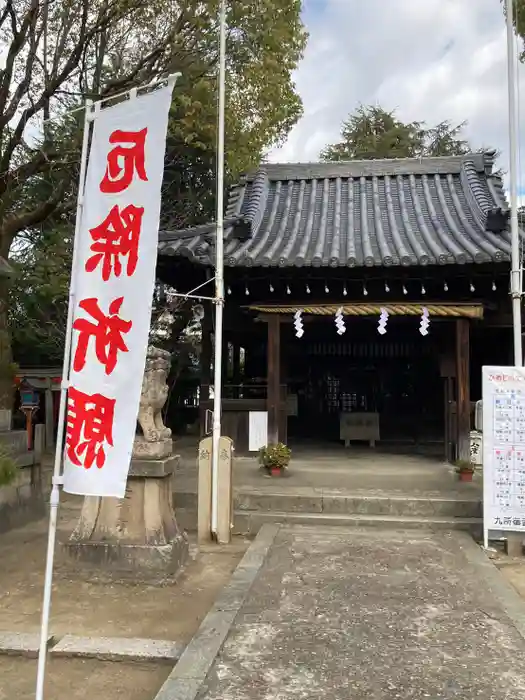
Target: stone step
[
  {"x": 359, "y": 504},
  {"x": 250, "y": 523},
  {"x": 348, "y": 503}
]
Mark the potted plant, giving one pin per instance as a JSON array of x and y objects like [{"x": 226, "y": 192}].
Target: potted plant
[
  {"x": 465, "y": 470},
  {"x": 275, "y": 458}
]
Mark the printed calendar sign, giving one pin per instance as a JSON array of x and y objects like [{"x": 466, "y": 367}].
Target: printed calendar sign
[{"x": 503, "y": 449}]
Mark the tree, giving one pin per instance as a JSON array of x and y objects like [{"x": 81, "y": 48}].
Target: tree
[
  {"x": 39, "y": 297},
  {"x": 265, "y": 40},
  {"x": 59, "y": 52},
  {"x": 55, "y": 54},
  {"x": 519, "y": 23},
  {"x": 372, "y": 132}
]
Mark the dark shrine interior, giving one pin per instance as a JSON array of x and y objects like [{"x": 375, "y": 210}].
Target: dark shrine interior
[{"x": 398, "y": 375}]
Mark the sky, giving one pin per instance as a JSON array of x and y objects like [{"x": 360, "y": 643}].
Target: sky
[{"x": 430, "y": 60}]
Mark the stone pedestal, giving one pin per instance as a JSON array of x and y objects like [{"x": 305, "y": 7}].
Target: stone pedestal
[
  {"x": 138, "y": 534},
  {"x": 144, "y": 450}
]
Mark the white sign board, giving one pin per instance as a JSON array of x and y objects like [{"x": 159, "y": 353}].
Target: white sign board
[
  {"x": 112, "y": 283},
  {"x": 257, "y": 430},
  {"x": 503, "y": 449}
]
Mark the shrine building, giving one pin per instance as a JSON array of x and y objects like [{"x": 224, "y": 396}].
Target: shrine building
[{"x": 394, "y": 246}]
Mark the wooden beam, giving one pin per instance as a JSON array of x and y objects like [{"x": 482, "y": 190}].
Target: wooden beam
[
  {"x": 274, "y": 378},
  {"x": 205, "y": 367},
  {"x": 463, "y": 388}
]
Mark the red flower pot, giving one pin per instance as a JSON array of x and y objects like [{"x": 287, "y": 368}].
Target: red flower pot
[
  {"x": 465, "y": 476},
  {"x": 275, "y": 471}
]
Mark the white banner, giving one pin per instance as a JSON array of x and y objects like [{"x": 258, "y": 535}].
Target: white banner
[
  {"x": 504, "y": 448},
  {"x": 113, "y": 283}
]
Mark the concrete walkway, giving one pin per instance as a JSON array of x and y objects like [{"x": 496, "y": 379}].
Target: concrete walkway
[{"x": 375, "y": 615}]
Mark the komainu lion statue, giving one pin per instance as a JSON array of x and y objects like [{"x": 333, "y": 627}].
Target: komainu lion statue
[{"x": 154, "y": 394}]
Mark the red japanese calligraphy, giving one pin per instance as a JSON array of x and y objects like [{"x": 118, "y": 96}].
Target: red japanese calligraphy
[
  {"x": 117, "y": 236},
  {"x": 124, "y": 160},
  {"x": 107, "y": 331},
  {"x": 89, "y": 426}
]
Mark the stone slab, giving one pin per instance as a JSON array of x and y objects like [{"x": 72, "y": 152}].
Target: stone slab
[
  {"x": 153, "y": 467},
  {"x": 188, "y": 675},
  {"x": 386, "y": 614},
  {"x": 20, "y": 505},
  {"x": 21, "y": 643},
  {"x": 179, "y": 689},
  {"x": 117, "y": 648},
  {"x": 6, "y": 415},
  {"x": 14, "y": 440}
]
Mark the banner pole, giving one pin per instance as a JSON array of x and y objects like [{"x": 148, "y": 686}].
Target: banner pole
[
  {"x": 219, "y": 277},
  {"x": 57, "y": 478},
  {"x": 515, "y": 289}
]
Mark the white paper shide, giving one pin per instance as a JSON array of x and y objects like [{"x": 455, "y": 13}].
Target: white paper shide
[
  {"x": 504, "y": 448},
  {"x": 112, "y": 285}
]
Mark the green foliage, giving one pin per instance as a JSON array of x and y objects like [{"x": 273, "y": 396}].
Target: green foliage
[
  {"x": 8, "y": 469},
  {"x": 519, "y": 23},
  {"x": 275, "y": 456},
  {"x": 372, "y": 132},
  {"x": 464, "y": 466},
  {"x": 265, "y": 41},
  {"x": 127, "y": 43},
  {"x": 39, "y": 297}
]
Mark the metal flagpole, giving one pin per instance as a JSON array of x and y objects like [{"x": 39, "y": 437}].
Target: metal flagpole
[
  {"x": 57, "y": 478},
  {"x": 219, "y": 274},
  {"x": 513, "y": 177}
]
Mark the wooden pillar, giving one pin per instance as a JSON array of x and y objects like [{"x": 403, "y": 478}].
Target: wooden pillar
[
  {"x": 225, "y": 360},
  {"x": 50, "y": 430},
  {"x": 274, "y": 377},
  {"x": 206, "y": 355},
  {"x": 463, "y": 388},
  {"x": 236, "y": 378},
  {"x": 205, "y": 363}
]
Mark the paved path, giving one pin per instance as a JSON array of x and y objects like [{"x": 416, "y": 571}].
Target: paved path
[{"x": 373, "y": 615}]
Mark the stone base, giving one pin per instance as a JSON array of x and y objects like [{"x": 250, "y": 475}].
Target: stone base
[
  {"x": 137, "y": 535},
  {"x": 141, "y": 561},
  {"x": 151, "y": 450},
  {"x": 149, "y": 468}
]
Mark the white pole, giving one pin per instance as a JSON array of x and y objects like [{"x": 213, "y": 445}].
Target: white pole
[
  {"x": 513, "y": 177},
  {"x": 57, "y": 478},
  {"x": 219, "y": 274}
]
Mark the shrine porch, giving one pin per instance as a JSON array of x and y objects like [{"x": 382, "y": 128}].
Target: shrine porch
[{"x": 331, "y": 484}]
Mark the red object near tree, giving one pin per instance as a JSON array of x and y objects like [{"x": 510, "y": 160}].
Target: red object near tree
[
  {"x": 108, "y": 332},
  {"x": 124, "y": 161},
  {"x": 89, "y": 426},
  {"x": 117, "y": 236}
]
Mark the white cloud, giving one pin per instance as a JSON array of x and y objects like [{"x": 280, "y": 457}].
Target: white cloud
[{"x": 429, "y": 59}]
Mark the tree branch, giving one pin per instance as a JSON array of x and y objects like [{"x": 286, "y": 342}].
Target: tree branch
[
  {"x": 19, "y": 37},
  {"x": 20, "y": 221}
]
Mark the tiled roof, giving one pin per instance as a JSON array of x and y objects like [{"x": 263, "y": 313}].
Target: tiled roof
[{"x": 360, "y": 213}]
